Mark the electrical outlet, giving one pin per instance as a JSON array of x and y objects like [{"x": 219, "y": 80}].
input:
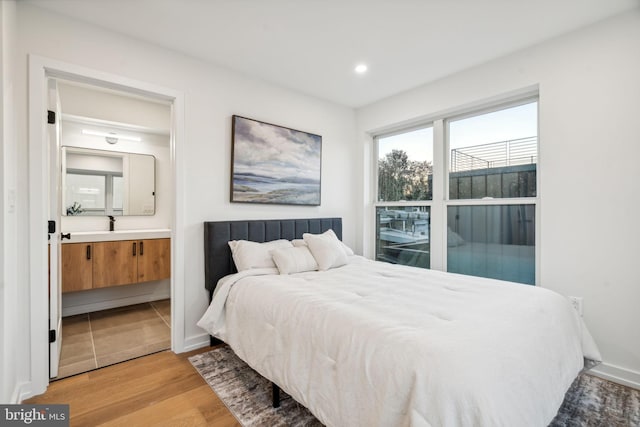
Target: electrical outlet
[{"x": 577, "y": 304}]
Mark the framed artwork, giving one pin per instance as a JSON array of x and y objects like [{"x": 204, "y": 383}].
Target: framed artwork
[{"x": 273, "y": 164}]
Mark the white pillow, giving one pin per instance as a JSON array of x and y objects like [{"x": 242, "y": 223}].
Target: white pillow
[
  {"x": 326, "y": 249},
  {"x": 247, "y": 255},
  {"x": 300, "y": 242},
  {"x": 347, "y": 250},
  {"x": 294, "y": 260}
]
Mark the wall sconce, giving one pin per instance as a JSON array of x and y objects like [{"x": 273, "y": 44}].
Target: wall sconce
[{"x": 111, "y": 137}]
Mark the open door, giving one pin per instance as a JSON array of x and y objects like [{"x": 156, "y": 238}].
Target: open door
[{"x": 55, "y": 283}]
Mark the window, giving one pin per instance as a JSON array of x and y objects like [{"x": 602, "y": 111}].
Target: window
[
  {"x": 405, "y": 166},
  {"x": 486, "y": 205},
  {"x": 494, "y": 154},
  {"x": 402, "y": 235},
  {"x": 118, "y": 194},
  {"x": 86, "y": 190},
  {"x": 93, "y": 193},
  {"x": 495, "y": 241},
  {"x": 405, "y": 172}
]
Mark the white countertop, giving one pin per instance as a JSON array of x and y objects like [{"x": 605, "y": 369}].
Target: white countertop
[{"x": 102, "y": 236}]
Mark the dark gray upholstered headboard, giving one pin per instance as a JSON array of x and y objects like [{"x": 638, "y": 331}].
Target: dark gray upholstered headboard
[{"x": 217, "y": 255}]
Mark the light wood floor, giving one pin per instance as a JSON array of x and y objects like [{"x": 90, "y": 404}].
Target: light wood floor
[{"x": 162, "y": 389}]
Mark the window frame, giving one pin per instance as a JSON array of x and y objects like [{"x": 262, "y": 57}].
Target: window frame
[{"x": 440, "y": 202}]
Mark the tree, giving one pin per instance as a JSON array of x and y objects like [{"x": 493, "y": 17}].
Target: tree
[{"x": 402, "y": 179}]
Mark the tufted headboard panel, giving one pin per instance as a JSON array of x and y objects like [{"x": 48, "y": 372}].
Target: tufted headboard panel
[{"x": 217, "y": 255}]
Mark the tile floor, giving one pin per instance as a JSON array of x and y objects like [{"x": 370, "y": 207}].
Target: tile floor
[{"x": 102, "y": 338}]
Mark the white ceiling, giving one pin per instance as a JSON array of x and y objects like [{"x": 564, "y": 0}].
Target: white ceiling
[{"x": 312, "y": 46}]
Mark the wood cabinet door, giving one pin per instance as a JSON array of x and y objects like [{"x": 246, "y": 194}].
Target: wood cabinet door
[
  {"x": 154, "y": 259},
  {"x": 77, "y": 268},
  {"x": 114, "y": 263}
]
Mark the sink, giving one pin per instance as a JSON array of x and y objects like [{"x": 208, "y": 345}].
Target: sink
[{"x": 102, "y": 236}]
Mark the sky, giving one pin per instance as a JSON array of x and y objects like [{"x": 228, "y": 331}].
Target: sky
[
  {"x": 418, "y": 144},
  {"x": 512, "y": 123}
]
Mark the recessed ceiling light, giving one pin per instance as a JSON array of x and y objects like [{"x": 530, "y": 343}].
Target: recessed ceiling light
[{"x": 361, "y": 68}]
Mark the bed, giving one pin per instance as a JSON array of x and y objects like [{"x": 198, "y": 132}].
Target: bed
[{"x": 376, "y": 344}]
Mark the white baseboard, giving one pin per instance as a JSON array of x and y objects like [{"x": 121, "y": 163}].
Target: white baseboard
[
  {"x": 113, "y": 303},
  {"x": 617, "y": 374},
  {"x": 20, "y": 393},
  {"x": 16, "y": 396},
  {"x": 196, "y": 342}
]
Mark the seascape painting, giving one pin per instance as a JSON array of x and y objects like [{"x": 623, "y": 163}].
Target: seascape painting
[{"x": 274, "y": 164}]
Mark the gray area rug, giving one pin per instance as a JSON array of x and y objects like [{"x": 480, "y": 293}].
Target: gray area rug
[
  {"x": 246, "y": 393},
  {"x": 589, "y": 402}
]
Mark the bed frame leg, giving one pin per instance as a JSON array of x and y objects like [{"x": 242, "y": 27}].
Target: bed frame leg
[{"x": 275, "y": 394}]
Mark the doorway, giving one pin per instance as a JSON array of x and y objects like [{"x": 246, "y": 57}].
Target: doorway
[
  {"x": 114, "y": 157},
  {"x": 42, "y": 313}
]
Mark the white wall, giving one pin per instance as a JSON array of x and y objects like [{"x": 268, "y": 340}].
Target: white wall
[
  {"x": 12, "y": 296},
  {"x": 212, "y": 96},
  {"x": 6, "y": 385},
  {"x": 589, "y": 167},
  {"x": 112, "y": 106}
]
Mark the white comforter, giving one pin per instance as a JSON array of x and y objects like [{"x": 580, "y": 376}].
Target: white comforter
[{"x": 374, "y": 344}]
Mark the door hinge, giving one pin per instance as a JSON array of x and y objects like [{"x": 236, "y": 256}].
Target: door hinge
[
  {"x": 51, "y": 117},
  {"x": 52, "y": 336},
  {"x": 51, "y": 226}
]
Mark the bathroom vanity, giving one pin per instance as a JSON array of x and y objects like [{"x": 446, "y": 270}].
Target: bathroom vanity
[{"x": 92, "y": 260}]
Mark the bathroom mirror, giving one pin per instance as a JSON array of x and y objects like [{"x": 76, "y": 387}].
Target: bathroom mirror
[{"x": 99, "y": 183}]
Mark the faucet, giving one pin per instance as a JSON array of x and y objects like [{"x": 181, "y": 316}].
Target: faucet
[{"x": 112, "y": 221}]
